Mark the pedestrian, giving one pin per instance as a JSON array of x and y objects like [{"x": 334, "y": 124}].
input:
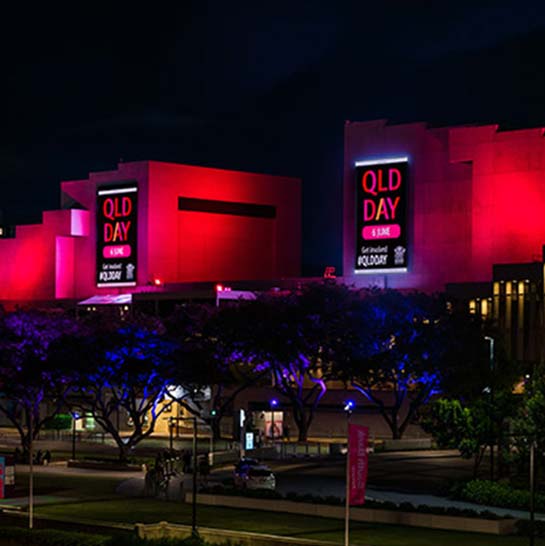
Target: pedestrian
[{"x": 47, "y": 457}]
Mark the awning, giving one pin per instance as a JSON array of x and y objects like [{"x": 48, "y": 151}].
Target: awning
[{"x": 118, "y": 299}]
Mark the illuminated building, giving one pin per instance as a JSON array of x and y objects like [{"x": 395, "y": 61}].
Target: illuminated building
[
  {"x": 150, "y": 225},
  {"x": 474, "y": 198}
]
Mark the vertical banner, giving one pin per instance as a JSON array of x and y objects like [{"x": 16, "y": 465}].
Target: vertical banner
[
  {"x": 358, "y": 439},
  {"x": 381, "y": 215},
  {"x": 117, "y": 244},
  {"x": 2, "y": 477}
]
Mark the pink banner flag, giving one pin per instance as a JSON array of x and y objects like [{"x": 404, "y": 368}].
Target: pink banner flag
[{"x": 358, "y": 437}]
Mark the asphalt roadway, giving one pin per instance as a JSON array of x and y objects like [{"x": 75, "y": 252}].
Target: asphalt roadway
[{"x": 424, "y": 472}]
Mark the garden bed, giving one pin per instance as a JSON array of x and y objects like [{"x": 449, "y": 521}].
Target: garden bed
[{"x": 497, "y": 526}]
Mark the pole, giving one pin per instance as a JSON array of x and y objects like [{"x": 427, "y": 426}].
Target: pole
[
  {"x": 532, "y": 491},
  {"x": 272, "y": 426},
  {"x": 347, "y": 499},
  {"x": 171, "y": 434},
  {"x": 73, "y": 437},
  {"x": 491, "y": 416},
  {"x": 31, "y": 478},
  {"x": 194, "y": 500}
]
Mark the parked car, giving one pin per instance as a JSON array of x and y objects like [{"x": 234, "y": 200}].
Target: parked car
[
  {"x": 245, "y": 462},
  {"x": 255, "y": 477}
]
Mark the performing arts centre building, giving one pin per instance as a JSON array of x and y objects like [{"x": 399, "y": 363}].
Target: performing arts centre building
[{"x": 460, "y": 209}]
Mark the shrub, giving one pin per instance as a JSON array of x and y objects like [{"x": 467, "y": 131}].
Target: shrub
[
  {"x": 499, "y": 494},
  {"x": 337, "y": 501},
  {"x": 61, "y": 421}
]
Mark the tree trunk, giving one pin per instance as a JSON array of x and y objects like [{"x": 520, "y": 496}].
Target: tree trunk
[
  {"x": 393, "y": 424},
  {"x": 300, "y": 418},
  {"x": 303, "y": 430},
  {"x": 123, "y": 450}
]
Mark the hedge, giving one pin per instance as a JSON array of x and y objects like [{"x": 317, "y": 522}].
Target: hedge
[
  {"x": 337, "y": 501},
  {"x": 499, "y": 494}
]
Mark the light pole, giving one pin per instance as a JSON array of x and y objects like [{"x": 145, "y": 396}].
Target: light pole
[
  {"x": 273, "y": 403},
  {"x": 171, "y": 426},
  {"x": 194, "y": 464},
  {"x": 348, "y": 409},
  {"x": 491, "y": 360},
  {"x": 75, "y": 417},
  {"x": 31, "y": 475},
  {"x": 532, "y": 491}
]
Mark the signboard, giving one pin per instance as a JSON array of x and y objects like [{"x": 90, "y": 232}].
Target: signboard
[
  {"x": 249, "y": 441},
  {"x": 381, "y": 216},
  {"x": 2, "y": 477},
  {"x": 117, "y": 213},
  {"x": 358, "y": 439}
]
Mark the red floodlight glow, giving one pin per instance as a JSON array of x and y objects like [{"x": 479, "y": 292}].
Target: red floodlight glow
[
  {"x": 157, "y": 281},
  {"x": 219, "y": 287}
]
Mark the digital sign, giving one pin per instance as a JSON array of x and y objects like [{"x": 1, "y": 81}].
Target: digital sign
[
  {"x": 117, "y": 213},
  {"x": 381, "y": 215}
]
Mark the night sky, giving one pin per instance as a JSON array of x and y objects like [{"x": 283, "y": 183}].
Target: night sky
[{"x": 254, "y": 86}]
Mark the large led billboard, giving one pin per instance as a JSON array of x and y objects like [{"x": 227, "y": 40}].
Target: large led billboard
[
  {"x": 117, "y": 213},
  {"x": 381, "y": 216}
]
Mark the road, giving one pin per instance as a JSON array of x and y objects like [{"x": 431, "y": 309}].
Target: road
[{"x": 425, "y": 472}]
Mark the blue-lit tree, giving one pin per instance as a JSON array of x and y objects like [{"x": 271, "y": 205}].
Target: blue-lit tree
[
  {"x": 32, "y": 386},
  {"x": 398, "y": 351},
  {"x": 125, "y": 368}
]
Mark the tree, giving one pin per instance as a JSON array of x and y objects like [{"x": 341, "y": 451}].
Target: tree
[
  {"x": 529, "y": 422},
  {"x": 210, "y": 341},
  {"x": 396, "y": 353},
  {"x": 128, "y": 368},
  {"x": 294, "y": 338},
  {"x": 483, "y": 386},
  {"x": 455, "y": 426},
  {"x": 32, "y": 386}
]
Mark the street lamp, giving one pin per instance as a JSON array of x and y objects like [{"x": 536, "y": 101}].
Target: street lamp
[
  {"x": 273, "y": 403},
  {"x": 194, "y": 464},
  {"x": 348, "y": 408},
  {"x": 75, "y": 417},
  {"x": 491, "y": 361}
]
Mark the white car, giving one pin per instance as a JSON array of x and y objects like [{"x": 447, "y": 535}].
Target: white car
[{"x": 255, "y": 477}]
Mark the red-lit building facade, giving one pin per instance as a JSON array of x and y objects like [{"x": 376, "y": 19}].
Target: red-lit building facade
[
  {"x": 120, "y": 231},
  {"x": 474, "y": 197},
  {"x": 465, "y": 209}
]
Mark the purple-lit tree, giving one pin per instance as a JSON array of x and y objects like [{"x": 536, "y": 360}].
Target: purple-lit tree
[
  {"x": 211, "y": 347},
  {"x": 32, "y": 387},
  {"x": 297, "y": 338},
  {"x": 398, "y": 349}
]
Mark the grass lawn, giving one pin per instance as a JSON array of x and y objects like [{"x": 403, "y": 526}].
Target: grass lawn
[
  {"x": 149, "y": 511},
  {"x": 68, "y": 486}
]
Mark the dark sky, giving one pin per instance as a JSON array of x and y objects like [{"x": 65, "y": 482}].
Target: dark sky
[{"x": 251, "y": 85}]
